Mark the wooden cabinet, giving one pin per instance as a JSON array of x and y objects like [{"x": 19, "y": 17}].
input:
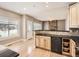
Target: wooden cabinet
[
  {"x": 68, "y": 47},
  {"x": 72, "y": 48},
  {"x": 37, "y": 40},
  {"x": 74, "y": 15},
  {"x": 53, "y": 25},
  {"x": 78, "y": 14},
  {"x": 57, "y": 25},
  {"x": 48, "y": 43},
  {"x": 43, "y": 42}
]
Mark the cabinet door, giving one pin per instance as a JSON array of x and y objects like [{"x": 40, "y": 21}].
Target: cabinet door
[
  {"x": 42, "y": 44},
  {"x": 73, "y": 15},
  {"x": 72, "y": 48},
  {"x": 37, "y": 41},
  {"x": 78, "y": 14},
  {"x": 48, "y": 43}
]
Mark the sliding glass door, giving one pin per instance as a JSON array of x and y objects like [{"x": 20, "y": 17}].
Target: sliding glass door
[
  {"x": 13, "y": 28},
  {"x": 8, "y": 27},
  {"x": 3, "y": 28}
]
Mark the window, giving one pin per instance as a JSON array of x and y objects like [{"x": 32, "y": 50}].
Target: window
[
  {"x": 13, "y": 28},
  {"x": 3, "y": 27},
  {"x": 8, "y": 27},
  {"x": 37, "y": 26}
]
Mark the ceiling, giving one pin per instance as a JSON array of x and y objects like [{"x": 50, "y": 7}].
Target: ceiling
[{"x": 41, "y": 10}]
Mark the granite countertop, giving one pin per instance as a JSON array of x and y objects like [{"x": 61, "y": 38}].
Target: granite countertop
[
  {"x": 74, "y": 36},
  {"x": 53, "y": 30},
  {"x": 57, "y": 33}
]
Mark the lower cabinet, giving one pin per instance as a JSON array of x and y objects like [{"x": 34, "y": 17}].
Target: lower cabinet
[
  {"x": 37, "y": 40},
  {"x": 48, "y": 44},
  {"x": 59, "y": 45},
  {"x": 68, "y": 47},
  {"x": 43, "y": 42}
]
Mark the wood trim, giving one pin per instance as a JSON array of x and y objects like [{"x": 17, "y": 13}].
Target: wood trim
[
  {"x": 65, "y": 53},
  {"x": 71, "y": 48}
]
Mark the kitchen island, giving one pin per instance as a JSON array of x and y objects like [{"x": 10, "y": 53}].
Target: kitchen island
[{"x": 62, "y": 42}]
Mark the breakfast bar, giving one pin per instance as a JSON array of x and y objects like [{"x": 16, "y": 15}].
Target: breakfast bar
[{"x": 62, "y": 42}]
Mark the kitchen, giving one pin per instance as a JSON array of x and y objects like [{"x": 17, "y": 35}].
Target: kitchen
[
  {"x": 55, "y": 38},
  {"x": 40, "y": 28}
]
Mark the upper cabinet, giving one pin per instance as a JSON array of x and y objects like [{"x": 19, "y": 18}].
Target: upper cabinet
[
  {"x": 74, "y": 15},
  {"x": 57, "y": 25},
  {"x": 54, "y": 25},
  {"x": 78, "y": 14}
]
